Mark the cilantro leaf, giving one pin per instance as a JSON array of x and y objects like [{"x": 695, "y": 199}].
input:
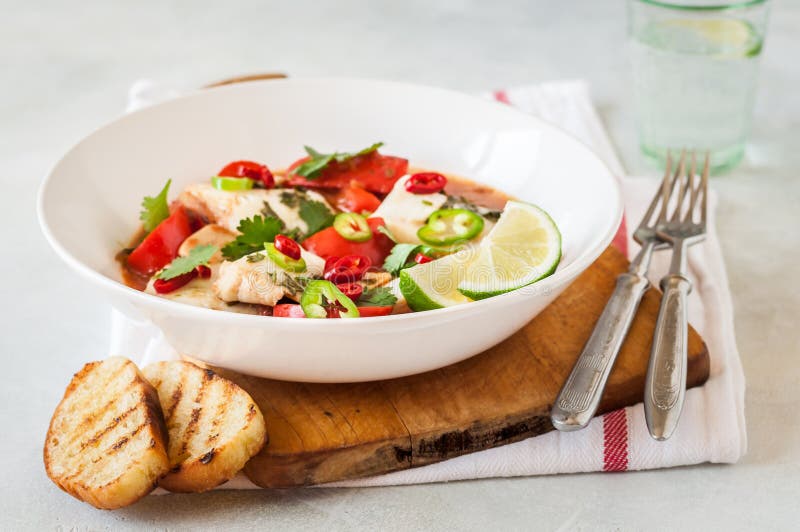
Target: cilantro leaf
[
  {"x": 155, "y": 209},
  {"x": 290, "y": 197},
  {"x": 198, "y": 256},
  {"x": 399, "y": 257},
  {"x": 319, "y": 161},
  {"x": 380, "y": 296},
  {"x": 316, "y": 215},
  {"x": 255, "y": 232},
  {"x": 341, "y": 157},
  {"x": 268, "y": 212},
  {"x": 312, "y": 167}
]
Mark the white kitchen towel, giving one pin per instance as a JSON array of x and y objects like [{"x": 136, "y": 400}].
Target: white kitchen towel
[{"x": 712, "y": 427}]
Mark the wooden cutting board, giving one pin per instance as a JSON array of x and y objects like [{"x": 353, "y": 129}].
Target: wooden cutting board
[{"x": 325, "y": 432}]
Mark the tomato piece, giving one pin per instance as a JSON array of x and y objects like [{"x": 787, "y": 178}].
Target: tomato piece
[
  {"x": 250, "y": 169},
  {"x": 373, "y": 171},
  {"x": 367, "y": 312},
  {"x": 328, "y": 243},
  {"x": 356, "y": 199},
  {"x": 290, "y": 310},
  {"x": 160, "y": 247},
  {"x": 426, "y": 183}
]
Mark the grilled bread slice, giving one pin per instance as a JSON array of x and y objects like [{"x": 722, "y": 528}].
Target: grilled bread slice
[
  {"x": 214, "y": 426},
  {"x": 107, "y": 442}
]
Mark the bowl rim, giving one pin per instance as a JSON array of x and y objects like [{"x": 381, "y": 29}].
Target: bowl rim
[{"x": 546, "y": 285}]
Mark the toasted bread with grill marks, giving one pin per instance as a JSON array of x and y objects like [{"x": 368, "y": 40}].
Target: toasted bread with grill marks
[
  {"x": 107, "y": 442},
  {"x": 214, "y": 426}
]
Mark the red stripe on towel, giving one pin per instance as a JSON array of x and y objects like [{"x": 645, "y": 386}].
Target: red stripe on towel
[
  {"x": 502, "y": 97},
  {"x": 615, "y": 441}
]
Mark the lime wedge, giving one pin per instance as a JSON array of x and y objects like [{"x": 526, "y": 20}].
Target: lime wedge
[
  {"x": 523, "y": 247},
  {"x": 719, "y": 37},
  {"x": 435, "y": 284}
]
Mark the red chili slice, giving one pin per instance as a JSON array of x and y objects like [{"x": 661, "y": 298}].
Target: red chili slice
[
  {"x": 287, "y": 246},
  {"x": 250, "y": 169},
  {"x": 420, "y": 258},
  {"x": 425, "y": 183},
  {"x": 351, "y": 290},
  {"x": 165, "y": 286},
  {"x": 204, "y": 271},
  {"x": 348, "y": 269},
  {"x": 330, "y": 262}
]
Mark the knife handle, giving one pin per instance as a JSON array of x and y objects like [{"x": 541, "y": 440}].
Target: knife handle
[
  {"x": 579, "y": 397},
  {"x": 665, "y": 385}
]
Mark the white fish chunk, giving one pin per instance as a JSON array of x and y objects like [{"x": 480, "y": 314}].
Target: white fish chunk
[
  {"x": 228, "y": 208},
  {"x": 200, "y": 293},
  {"x": 256, "y": 279},
  {"x": 400, "y": 306},
  {"x": 404, "y": 212},
  {"x": 211, "y": 234}
]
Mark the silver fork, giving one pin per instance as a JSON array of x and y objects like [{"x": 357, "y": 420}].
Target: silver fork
[
  {"x": 665, "y": 386},
  {"x": 578, "y": 399}
]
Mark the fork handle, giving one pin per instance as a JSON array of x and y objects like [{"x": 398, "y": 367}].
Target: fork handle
[
  {"x": 665, "y": 385},
  {"x": 579, "y": 397}
]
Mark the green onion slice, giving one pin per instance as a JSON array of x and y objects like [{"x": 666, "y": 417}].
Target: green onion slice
[
  {"x": 283, "y": 261},
  {"x": 352, "y": 226},
  {"x": 319, "y": 295},
  {"x": 231, "y": 184},
  {"x": 450, "y": 226}
]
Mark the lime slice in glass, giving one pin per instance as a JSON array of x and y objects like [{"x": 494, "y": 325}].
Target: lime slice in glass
[{"x": 718, "y": 37}]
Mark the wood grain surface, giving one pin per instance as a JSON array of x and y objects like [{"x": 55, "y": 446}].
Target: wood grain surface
[{"x": 325, "y": 432}]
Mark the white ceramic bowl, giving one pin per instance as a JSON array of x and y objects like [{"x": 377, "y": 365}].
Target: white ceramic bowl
[{"x": 89, "y": 204}]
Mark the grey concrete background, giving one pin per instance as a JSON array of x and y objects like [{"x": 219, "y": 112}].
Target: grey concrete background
[{"x": 65, "y": 68}]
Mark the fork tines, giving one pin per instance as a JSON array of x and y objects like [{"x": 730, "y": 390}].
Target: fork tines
[{"x": 674, "y": 207}]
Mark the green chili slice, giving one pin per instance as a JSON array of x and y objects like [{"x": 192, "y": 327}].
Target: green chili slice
[
  {"x": 319, "y": 295},
  {"x": 283, "y": 261},
  {"x": 352, "y": 226},
  {"x": 449, "y": 226},
  {"x": 231, "y": 184}
]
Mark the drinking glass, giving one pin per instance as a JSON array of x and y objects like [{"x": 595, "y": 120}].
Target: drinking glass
[{"x": 695, "y": 68}]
